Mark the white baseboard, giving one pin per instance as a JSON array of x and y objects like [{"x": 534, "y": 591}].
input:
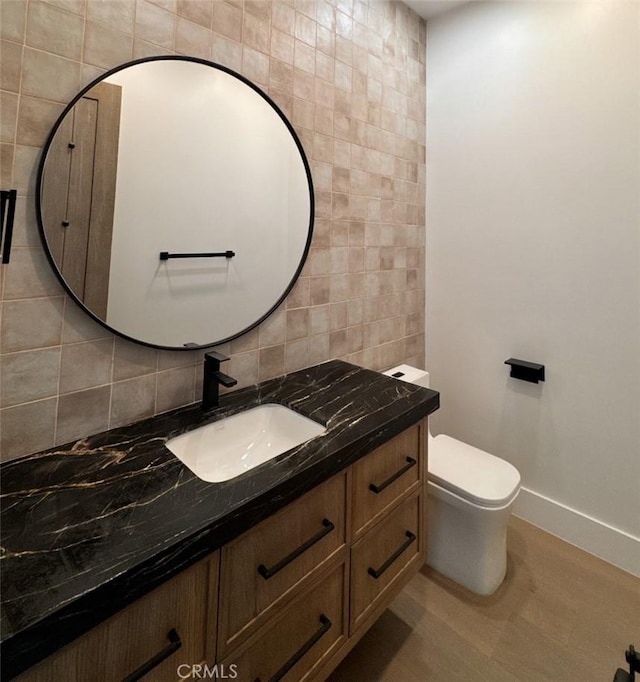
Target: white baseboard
[{"x": 611, "y": 544}]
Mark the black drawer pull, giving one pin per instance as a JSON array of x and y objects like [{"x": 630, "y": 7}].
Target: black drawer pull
[
  {"x": 377, "y": 573},
  {"x": 174, "y": 644},
  {"x": 325, "y": 625},
  {"x": 379, "y": 488},
  {"x": 267, "y": 573}
]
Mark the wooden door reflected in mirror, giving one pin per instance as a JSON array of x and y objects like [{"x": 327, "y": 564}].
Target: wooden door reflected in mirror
[{"x": 79, "y": 194}]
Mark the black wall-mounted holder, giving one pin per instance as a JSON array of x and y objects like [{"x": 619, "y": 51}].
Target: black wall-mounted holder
[
  {"x": 8, "y": 201},
  {"x": 633, "y": 659},
  {"x": 527, "y": 371}
]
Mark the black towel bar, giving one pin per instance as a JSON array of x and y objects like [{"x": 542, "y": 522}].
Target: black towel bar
[{"x": 165, "y": 255}]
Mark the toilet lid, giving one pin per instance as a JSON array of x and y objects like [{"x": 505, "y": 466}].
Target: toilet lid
[{"x": 471, "y": 473}]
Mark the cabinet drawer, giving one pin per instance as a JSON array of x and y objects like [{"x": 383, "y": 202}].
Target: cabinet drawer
[
  {"x": 261, "y": 569},
  {"x": 301, "y": 639},
  {"x": 119, "y": 646},
  {"x": 386, "y": 552},
  {"x": 380, "y": 478}
]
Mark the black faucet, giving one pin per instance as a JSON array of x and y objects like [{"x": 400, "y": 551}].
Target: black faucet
[{"x": 213, "y": 377}]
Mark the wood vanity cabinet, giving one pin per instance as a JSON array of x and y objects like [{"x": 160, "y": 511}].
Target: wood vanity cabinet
[
  {"x": 265, "y": 567},
  {"x": 147, "y": 628},
  {"x": 333, "y": 590},
  {"x": 383, "y": 557},
  {"x": 289, "y": 598},
  {"x": 301, "y": 639}
]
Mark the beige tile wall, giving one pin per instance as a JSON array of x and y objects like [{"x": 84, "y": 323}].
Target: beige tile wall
[{"x": 350, "y": 76}]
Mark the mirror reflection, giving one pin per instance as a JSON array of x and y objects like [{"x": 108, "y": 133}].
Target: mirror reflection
[{"x": 175, "y": 202}]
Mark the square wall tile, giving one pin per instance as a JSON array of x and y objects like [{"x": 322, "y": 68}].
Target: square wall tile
[
  {"x": 35, "y": 120},
  {"x": 318, "y": 349},
  {"x": 31, "y": 323},
  {"x": 248, "y": 341},
  {"x": 105, "y": 47},
  {"x": 271, "y": 362},
  {"x": 11, "y": 66},
  {"x": 171, "y": 359},
  {"x": 132, "y": 400},
  {"x": 272, "y": 331},
  {"x": 154, "y": 24},
  {"x": 13, "y": 19},
  {"x": 296, "y": 354},
  {"x": 25, "y": 226},
  {"x": 6, "y": 164},
  {"x": 256, "y": 31},
  {"x": 142, "y": 49},
  {"x": 319, "y": 319},
  {"x": 54, "y": 30},
  {"x": 118, "y": 15},
  {"x": 227, "y": 20},
  {"x": 175, "y": 388},
  {"x": 226, "y": 52},
  {"x": 25, "y": 169},
  {"x": 28, "y": 376},
  {"x": 133, "y": 360},
  {"x": 243, "y": 367},
  {"x": 283, "y": 16},
  {"x": 193, "y": 39},
  {"x": 30, "y": 275},
  {"x": 27, "y": 428},
  {"x": 297, "y": 323},
  {"x": 78, "y": 326},
  {"x": 74, "y": 6},
  {"x": 82, "y": 414},
  {"x": 300, "y": 295},
  {"x": 198, "y": 11},
  {"x": 48, "y": 76},
  {"x": 85, "y": 365}
]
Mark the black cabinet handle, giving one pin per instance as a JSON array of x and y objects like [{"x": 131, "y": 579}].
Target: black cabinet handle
[
  {"x": 174, "y": 644},
  {"x": 379, "y": 488},
  {"x": 325, "y": 625},
  {"x": 267, "y": 573},
  {"x": 377, "y": 573}
]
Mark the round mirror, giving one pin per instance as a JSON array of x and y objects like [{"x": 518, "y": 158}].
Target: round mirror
[{"x": 175, "y": 202}]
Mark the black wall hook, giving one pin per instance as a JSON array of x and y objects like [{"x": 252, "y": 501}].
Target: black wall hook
[
  {"x": 6, "y": 221},
  {"x": 527, "y": 371}
]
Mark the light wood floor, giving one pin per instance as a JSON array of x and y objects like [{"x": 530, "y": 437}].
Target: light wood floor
[{"x": 561, "y": 615}]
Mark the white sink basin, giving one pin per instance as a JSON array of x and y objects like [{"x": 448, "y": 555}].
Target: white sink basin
[{"x": 227, "y": 448}]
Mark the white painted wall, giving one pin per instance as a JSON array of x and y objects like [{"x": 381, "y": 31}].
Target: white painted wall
[{"x": 533, "y": 251}]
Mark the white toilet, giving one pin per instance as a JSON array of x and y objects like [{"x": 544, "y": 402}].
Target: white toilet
[{"x": 471, "y": 494}]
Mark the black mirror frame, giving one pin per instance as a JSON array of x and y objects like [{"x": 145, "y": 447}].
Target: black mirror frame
[{"x": 40, "y": 220}]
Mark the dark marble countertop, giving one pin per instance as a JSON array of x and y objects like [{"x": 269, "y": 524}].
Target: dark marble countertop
[{"x": 89, "y": 527}]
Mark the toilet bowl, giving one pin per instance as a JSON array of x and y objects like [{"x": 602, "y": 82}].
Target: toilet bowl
[{"x": 470, "y": 497}]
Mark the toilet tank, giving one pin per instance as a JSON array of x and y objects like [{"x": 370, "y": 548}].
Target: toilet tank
[{"x": 411, "y": 375}]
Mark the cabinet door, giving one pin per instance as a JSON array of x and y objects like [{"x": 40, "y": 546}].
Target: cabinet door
[
  {"x": 119, "y": 646},
  {"x": 263, "y": 568},
  {"x": 295, "y": 644},
  {"x": 392, "y": 550},
  {"x": 387, "y": 474}
]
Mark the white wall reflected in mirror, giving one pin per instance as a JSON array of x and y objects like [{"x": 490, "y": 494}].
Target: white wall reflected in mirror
[{"x": 205, "y": 164}]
